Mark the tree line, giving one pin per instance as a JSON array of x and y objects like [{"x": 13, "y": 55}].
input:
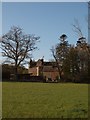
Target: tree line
[{"x": 71, "y": 60}]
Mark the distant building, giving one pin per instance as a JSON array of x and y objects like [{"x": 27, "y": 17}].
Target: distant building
[{"x": 48, "y": 70}]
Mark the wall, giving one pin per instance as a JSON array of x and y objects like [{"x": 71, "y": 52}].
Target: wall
[
  {"x": 51, "y": 75},
  {"x": 33, "y": 71}
]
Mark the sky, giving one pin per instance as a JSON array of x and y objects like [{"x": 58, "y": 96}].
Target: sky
[
  {"x": 49, "y": 20},
  {"x": 44, "y": 0}
]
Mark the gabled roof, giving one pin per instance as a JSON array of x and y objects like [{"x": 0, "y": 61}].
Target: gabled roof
[
  {"x": 33, "y": 64},
  {"x": 41, "y": 63}
]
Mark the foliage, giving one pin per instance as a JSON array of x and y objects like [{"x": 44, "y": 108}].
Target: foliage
[
  {"x": 8, "y": 69},
  {"x": 60, "y": 52},
  {"x": 74, "y": 61},
  {"x": 62, "y": 48}
]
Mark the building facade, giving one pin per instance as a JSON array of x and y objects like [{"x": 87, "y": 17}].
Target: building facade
[{"x": 43, "y": 68}]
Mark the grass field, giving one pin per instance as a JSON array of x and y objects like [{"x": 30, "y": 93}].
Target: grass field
[
  {"x": 0, "y": 100},
  {"x": 44, "y": 100}
]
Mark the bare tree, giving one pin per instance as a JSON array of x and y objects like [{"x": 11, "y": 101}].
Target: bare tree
[
  {"x": 77, "y": 28},
  {"x": 60, "y": 53},
  {"x": 17, "y": 46}
]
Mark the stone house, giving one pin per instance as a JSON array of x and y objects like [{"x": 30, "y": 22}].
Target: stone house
[{"x": 43, "y": 68}]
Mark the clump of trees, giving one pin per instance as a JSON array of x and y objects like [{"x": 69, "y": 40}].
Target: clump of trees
[
  {"x": 8, "y": 69},
  {"x": 74, "y": 61}
]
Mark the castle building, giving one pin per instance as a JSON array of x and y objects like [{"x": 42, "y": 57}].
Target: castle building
[{"x": 48, "y": 70}]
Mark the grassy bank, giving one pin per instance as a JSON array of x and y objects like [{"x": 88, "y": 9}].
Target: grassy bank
[{"x": 44, "y": 100}]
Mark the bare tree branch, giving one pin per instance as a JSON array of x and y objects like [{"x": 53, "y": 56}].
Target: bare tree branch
[
  {"x": 54, "y": 55},
  {"x": 77, "y": 28},
  {"x": 17, "y": 46}
]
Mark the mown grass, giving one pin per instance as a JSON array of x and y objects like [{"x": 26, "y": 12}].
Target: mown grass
[
  {"x": 0, "y": 100},
  {"x": 44, "y": 100}
]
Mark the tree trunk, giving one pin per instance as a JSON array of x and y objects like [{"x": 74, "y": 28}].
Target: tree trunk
[
  {"x": 89, "y": 67},
  {"x": 59, "y": 71},
  {"x": 16, "y": 72},
  {"x": 58, "y": 68}
]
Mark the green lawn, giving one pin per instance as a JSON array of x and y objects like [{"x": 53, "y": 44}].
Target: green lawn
[
  {"x": 0, "y": 100},
  {"x": 44, "y": 100}
]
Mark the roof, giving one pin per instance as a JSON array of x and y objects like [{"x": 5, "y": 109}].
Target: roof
[
  {"x": 49, "y": 63},
  {"x": 33, "y": 64},
  {"x": 40, "y": 63}
]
